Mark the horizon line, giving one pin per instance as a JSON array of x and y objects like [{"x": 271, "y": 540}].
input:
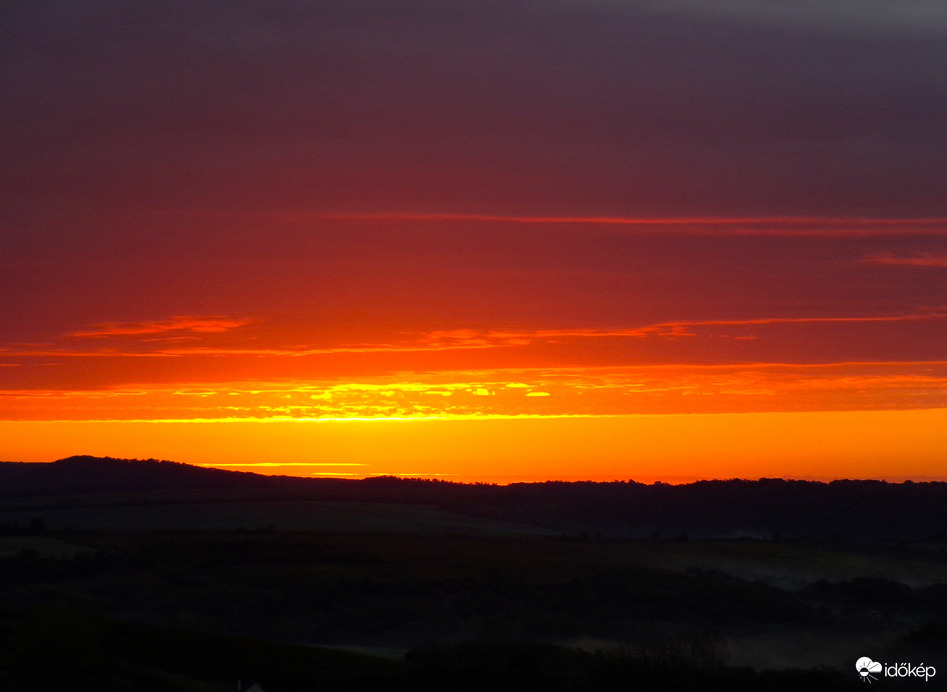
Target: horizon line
[{"x": 650, "y": 479}]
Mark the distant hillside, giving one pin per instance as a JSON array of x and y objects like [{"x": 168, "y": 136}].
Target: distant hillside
[
  {"x": 860, "y": 511},
  {"x": 87, "y": 474}
]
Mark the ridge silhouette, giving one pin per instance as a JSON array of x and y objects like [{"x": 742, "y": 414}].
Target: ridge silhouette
[{"x": 857, "y": 510}]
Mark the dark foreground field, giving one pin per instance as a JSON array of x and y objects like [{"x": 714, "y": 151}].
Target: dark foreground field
[{"x": 194, "y": 588}]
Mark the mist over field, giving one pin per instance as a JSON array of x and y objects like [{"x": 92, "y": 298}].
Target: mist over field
[{"x": 407, "y": 584}]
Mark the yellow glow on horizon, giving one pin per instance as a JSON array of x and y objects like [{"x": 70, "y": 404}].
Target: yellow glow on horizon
[{"x": 841, "y": 444}]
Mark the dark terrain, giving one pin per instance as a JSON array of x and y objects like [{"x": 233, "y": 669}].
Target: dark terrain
[{"x": 153, "y": 575}]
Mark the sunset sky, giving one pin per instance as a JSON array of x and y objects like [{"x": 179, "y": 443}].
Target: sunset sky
[{"x": 478, "y": 241}]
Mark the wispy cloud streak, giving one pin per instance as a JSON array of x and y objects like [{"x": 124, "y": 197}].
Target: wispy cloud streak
[
  {"x": 738, "y": 226},
  {"x": 433, "y": 341},
  {"x": 566, "y": 392},
  {"x": 921, "y": 260},
  {"x": 176, "y": 323}
]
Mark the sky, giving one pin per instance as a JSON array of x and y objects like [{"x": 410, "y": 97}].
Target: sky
[{"x": 477, "y": 241}]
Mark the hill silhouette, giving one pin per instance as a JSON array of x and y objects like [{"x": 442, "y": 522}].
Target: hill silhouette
[
  {"x": 855, "y": 510},
  {"x": 89, "y": 474}
]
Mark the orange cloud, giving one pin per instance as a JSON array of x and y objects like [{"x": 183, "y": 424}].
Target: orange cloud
[
  {"x": 932, "y": 315},
  {"x": 525, "y": 342},
  {"x": 175, "y": 324},
  {"x": 576, "y": 391},
  {"x": 468, "y": 338}
]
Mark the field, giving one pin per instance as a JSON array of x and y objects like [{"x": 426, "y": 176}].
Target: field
[
  {"x": 195, "y": 589},
  {"x": 288, "y": 515},
  {"x": 757, "y": 603}
]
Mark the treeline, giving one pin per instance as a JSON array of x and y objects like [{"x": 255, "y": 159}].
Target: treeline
[
  {"x": 847, "y": 510},
  {"x": 767, "y": 508}
]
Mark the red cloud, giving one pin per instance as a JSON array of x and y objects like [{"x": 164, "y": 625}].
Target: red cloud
[{"x": 924, "y": 260}]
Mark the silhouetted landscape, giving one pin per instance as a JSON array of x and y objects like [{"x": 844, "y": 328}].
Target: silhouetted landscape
[
  {"x": 156, "y": 575},
  {"x": 419, "y": 250}
]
